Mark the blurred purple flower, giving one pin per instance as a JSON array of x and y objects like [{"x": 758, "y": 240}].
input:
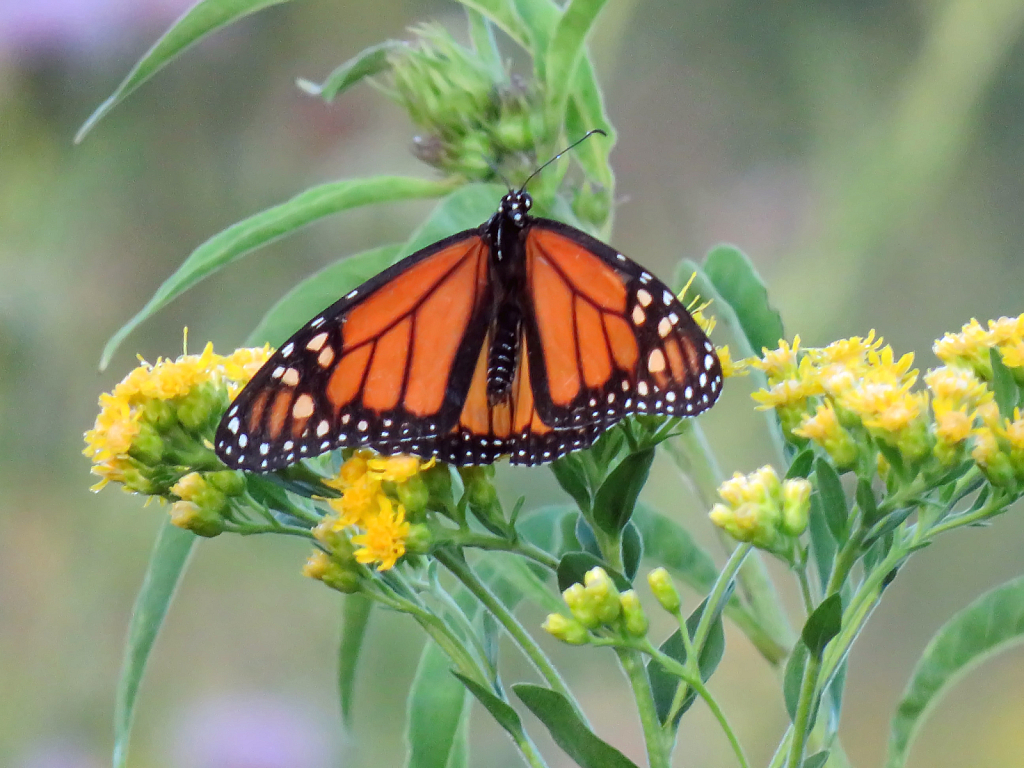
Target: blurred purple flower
[
  {"x": 78, "y": 26},
  {"x": 255, "y": 731}
]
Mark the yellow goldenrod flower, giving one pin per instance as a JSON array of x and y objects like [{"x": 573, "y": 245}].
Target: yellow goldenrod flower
[
  {"x": 730, "y": 367},
  {"x": 602, "y": 594},
  {"x": 825, "y": 430},
  {"x": 323, "y": 567},
  {"x": 969, "y": 347},
  {"x": 847, "y": 352},
  {"x": 398, "y": 469},
  {"x": 779, "y": 363},
  {"x": 796, "y": 505},
  {"x": 952, "y": 426},
  {"x": 156, "y": 420},
  {"x": 763, "y": 510},
  {"x": 384, "y": 540}
]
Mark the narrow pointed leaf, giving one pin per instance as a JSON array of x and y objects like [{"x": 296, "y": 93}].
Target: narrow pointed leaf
[
  {"x": 481, "y": 32},
  {"x": 816, "y": 760},
  {"x": 738, "y": 283},
  {"x": 166, "y": 566},
  {"x": 792, "y": 678},
  {"x": 570, "y": 474},
  {"x": 632, "y": 550},
  {"x": 568, "y": 730},
  {"x": 467, "y": 207},
  {"x": 503, "y": 15},
  {"x": 1002, "y": 382},
  {"x": 356, "y": 611},
  {"x": 615, "y": 500},
  {"x": 833, "y": 498},
  {"x": 823, "y": 624},
  {"x": 198, "y": 21},
  {"x": 500, "y": 710},
  {"x": 802, "y": 464},
  {"x": 436, "y": 708},
  {"x": 565, "y": 50},
  {"x": 992, "y": 623},
  {"x": 269, "y": 225},
  {"x": 367, "y": 63},
  {"x": 317, "y": 292}
]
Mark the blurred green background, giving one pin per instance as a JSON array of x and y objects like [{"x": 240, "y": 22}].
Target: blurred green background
[{"x": 867, "y": 154}]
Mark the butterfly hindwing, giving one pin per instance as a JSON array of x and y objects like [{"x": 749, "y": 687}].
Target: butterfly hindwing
[
  {"x": 386, "y": 366},
  {"x": 607, "y": 338}
]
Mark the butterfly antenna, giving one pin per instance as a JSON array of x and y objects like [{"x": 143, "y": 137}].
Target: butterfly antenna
[
  {"x": 575, "y": 144},
  {"x": 498, "y": 173}
]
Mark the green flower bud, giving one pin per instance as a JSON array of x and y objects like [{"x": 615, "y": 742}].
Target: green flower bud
[
  {"x": 419, "y": 540},
  {"x": 193, "y": 517},
  {"x": 633, "y": 617},
  {"x": 566, "y": 630},
  {"x": 604, "y": 596},
  {"x": 332, "y": 573},
  {"x": 230, "y": 482},
  {"x": 796, "y": 504},
  {"x": 197, "y": 409},
  {"x": 159, "y": 413},
  {"x": 581, "y": 605},
  {"x": 413, "y": 495},
  {"x": 147, "y": 446},
  {"x": 211, "y": 499},
  {"x": 664, "y": 590},
  {"x": 136, "y": 482}
]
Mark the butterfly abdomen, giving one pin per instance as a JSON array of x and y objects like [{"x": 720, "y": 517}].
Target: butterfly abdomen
[{"x": 504, "y": 352}]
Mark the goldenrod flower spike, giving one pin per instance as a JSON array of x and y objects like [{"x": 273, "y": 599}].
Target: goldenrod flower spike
[
  {"x": 763, "y": 510},
  {"x": 384, "y": 540}
]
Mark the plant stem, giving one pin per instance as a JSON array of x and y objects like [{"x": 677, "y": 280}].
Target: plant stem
[
  {"x": 694, "y": 681},
  {"x": 718, "y": 593},
  {"x": 632, "y": 664},
  {"x": 803, "y": 711},
  {"x": 469, "y": 538},
  {"x": 693, "y": 456},
  {"x": 460, "y": 569},
  {"x": 991, "y": 507}
]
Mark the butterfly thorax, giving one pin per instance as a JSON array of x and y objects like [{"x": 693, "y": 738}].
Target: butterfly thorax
[{"x": 506, "y": 230}]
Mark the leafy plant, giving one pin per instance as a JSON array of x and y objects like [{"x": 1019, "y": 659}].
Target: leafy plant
[{"x": 870, "y": 468}]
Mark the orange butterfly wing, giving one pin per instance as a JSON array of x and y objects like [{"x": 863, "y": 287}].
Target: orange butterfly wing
[
  {"x": 606, "y": 338},
  {"x": 387, "y": 366}
]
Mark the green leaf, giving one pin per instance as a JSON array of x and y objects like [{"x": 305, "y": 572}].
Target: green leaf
[
  {"x": 586, "y": 112},
  {"x": 568, "y": 730},
  {"x": 632, "y": 550},
  {"x": 500, "y": 710},
  {"x": 992, "y": 623},
  {"x": 269, "y": 225},
  {"x": 467, "y": 207},
  {"x": 503, "y": 15},
  {"x": 793, "y": 677},
  {"x": 817, "y": 760},
  {"x": 668, "y": 543},
  {"x": 1002, "y": 382},
  {"x": 570, "y": 474},
  {"x": 512, "y": 578},
  {"x": 367, "y": 63},
  {"x": 823, "y": 624},
  {"x": 615, "y": 500},
  {"x": 166, "y": 566},
  {"x": 823, "y": 544},
  {"x": 866, "y": 502},
  {"x": 573, "y": 566},
  {"x": 355, "y": 611},
  {"x": 887, "y": 524},
  {"x": 663, "y": 683},
  {"x": 833, "y": 498},
  {"x": 198, "y": 21},
  {"x": 585, "y": 537},
  {"x": 738, "y": 283},
  {"x": 317, "y": 292},
  {"x": 542, "y": 527},
  {"x": 436, "y": 708},
  {"x": 564, "y": 52},
  {"x": 802, "y": 464},
  {"x": 481, "y": 32},
  {"x": 538, "y": 20}
]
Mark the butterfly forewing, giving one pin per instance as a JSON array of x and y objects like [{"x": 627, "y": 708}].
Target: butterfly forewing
[
  {"x": 364, "y": 372},
  {"x": 609, "y": 339}
]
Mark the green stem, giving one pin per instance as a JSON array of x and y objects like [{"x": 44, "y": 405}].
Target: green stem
[
  {"x": 782, "y": 750},
  {"x": 693, "y": 456},
  {"x": 805, "y": 589},
  {"x": 460, "y": 569},
  {"x": 992, "y": 506},
  {"x": 253, "y": 530},
  {"x": 469, "y": 538},
  {"x": 632, "y": 664},
  {"x": 803, "y": 711},
  {"x": 718, "y": 593},
  {"x": 694, "y": 681}
]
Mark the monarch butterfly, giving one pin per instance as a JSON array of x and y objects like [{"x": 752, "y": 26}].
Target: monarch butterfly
[{"x": 523, "y": 337}]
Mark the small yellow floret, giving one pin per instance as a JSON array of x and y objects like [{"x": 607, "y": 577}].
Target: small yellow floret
[{"x": 384, "y": 540}]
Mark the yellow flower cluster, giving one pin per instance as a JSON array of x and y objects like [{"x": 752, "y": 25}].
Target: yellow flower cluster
[
  {"x": 157, "y": 402},
  {"x": 596, "y": 605},
  {"x": 365, "y": 504},
  {"x": 761, "y": 509},
  {"x": 834, "y": 395}
]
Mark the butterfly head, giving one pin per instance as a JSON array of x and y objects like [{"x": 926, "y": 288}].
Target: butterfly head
[{"x": 515, "y": 206}]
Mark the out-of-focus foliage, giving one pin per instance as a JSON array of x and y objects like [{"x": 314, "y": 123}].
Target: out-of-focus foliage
[{"x": 867, "y": 155}]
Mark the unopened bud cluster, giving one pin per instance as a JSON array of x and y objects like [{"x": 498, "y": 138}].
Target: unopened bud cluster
[{"x": 762, "y": 510}]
